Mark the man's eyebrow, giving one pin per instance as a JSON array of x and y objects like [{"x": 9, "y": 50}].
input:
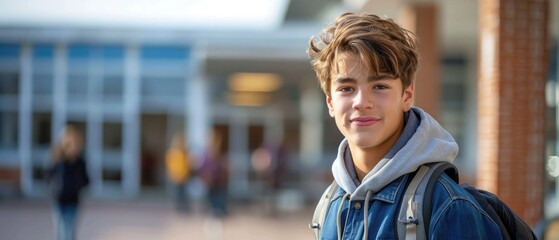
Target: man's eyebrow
[
  {"x": 380, "y": 77},
  {"x": 344, "y": 80},
  {"x": 370, "y": 79}
]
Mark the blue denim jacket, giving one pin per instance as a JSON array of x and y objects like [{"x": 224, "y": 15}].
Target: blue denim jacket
[{"x": 455, "y": 214}]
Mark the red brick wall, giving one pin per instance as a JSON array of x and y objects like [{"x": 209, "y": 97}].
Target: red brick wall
[
  {"x": 514, "y": 46},
  {"x": 422, "y": 20}
]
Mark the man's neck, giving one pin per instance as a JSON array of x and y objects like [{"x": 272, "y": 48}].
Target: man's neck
[{"x": 364, "y": 161}]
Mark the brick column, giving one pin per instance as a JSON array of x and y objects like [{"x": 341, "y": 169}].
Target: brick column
[
  {"x": 513, "y": 66},
  {"x": 422, "y": 19}
]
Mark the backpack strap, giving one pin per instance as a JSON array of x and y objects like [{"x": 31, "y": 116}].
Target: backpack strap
[
  {"x": 319, "y": 214},
  {"x": 437, "y": 170},
  {"x": 412, "y": 225}
]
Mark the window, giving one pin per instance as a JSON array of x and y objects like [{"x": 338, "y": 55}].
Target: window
[
  {"x": 9, "y": 58},
  {"x": 163, "y": 71},
  {"x": 112, "y": 58},
  {"x": 8, "y": 130},
  {"x": 112, "y": 135},
  {"x": 43, "y": 66},
  {"x": 9, "y": 83},
  {"x": 9, "y": 51},
  {"x": 42, "y": 129}
]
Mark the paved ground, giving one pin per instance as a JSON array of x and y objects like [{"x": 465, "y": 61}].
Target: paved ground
[{"x": 151, "y": 219}]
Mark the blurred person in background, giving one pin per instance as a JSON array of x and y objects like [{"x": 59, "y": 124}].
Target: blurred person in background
[
  {"x": 278, "y": 165},
  {"x": 215, "y": 174},
  {"x": 67, "y": 176},
  {"x": 178, "y": 164},
  {"x": 269, "y": 163}
]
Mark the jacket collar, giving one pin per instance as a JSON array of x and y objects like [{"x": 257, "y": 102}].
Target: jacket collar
[{"x": 387, "y": 194}]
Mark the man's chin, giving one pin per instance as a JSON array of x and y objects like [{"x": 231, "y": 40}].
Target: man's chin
[{"x": 363, "y": 142}]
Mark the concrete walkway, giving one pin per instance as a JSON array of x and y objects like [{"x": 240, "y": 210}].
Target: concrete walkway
[{"x": 151, "y": 219}]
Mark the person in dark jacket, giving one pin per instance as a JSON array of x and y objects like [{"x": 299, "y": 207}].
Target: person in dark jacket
[{"x": 67, "y": 176}]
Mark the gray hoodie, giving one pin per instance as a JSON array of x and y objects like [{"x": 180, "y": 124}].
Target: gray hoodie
[{"x": 422, "y": 141}]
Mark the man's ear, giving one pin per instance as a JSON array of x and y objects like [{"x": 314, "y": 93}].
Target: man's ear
[
  {"x": 407, "y": 97},
  {"x": 330, "y": 106}
]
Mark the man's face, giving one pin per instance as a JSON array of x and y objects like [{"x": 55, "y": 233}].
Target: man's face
[{"x": 368, "y": 110}]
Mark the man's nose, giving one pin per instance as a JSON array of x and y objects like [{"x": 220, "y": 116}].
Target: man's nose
[{"x": 362, "y": 100}]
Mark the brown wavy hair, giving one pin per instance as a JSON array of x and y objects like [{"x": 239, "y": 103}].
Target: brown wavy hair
[{"x": 380, "y": 44}]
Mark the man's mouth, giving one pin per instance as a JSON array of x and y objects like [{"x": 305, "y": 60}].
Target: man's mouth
[{"x": 364, "y": 121}]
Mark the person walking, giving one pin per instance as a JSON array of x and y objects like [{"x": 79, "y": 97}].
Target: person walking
[
  {"x": 178, "y": 163},
  {"x": 67, "y": 176},
  {"x": 215, "y": 174}
]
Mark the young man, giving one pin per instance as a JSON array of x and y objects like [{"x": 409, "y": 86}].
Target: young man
[{"x": 366, "y": 67}]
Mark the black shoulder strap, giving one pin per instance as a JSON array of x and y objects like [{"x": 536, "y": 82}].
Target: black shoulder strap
[
  {"x": 321, "y": 209},
  {"x": 438, "y": 170},
  {"x": 412, "y": 225}
]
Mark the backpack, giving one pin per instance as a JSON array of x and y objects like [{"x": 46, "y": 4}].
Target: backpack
[{"x": 417, "y": 198}]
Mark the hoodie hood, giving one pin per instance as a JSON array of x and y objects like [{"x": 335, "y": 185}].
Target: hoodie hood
[{"x": 429, "y": 143}]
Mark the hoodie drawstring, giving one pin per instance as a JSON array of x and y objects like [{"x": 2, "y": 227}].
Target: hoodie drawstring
[
  {"x": 366, "y": 215},
  {"x": 339, "y": 215}
]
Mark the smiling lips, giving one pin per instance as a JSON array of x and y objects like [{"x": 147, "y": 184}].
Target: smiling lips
[{"x": 364, "y": 121}]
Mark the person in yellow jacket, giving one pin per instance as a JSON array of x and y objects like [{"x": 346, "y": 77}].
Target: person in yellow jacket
[{"x": 178, "y": 164}]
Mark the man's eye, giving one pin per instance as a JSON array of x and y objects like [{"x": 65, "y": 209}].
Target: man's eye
[
  {"x": 380, "y": 87},
  {"x": 345, "y": 89}
]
